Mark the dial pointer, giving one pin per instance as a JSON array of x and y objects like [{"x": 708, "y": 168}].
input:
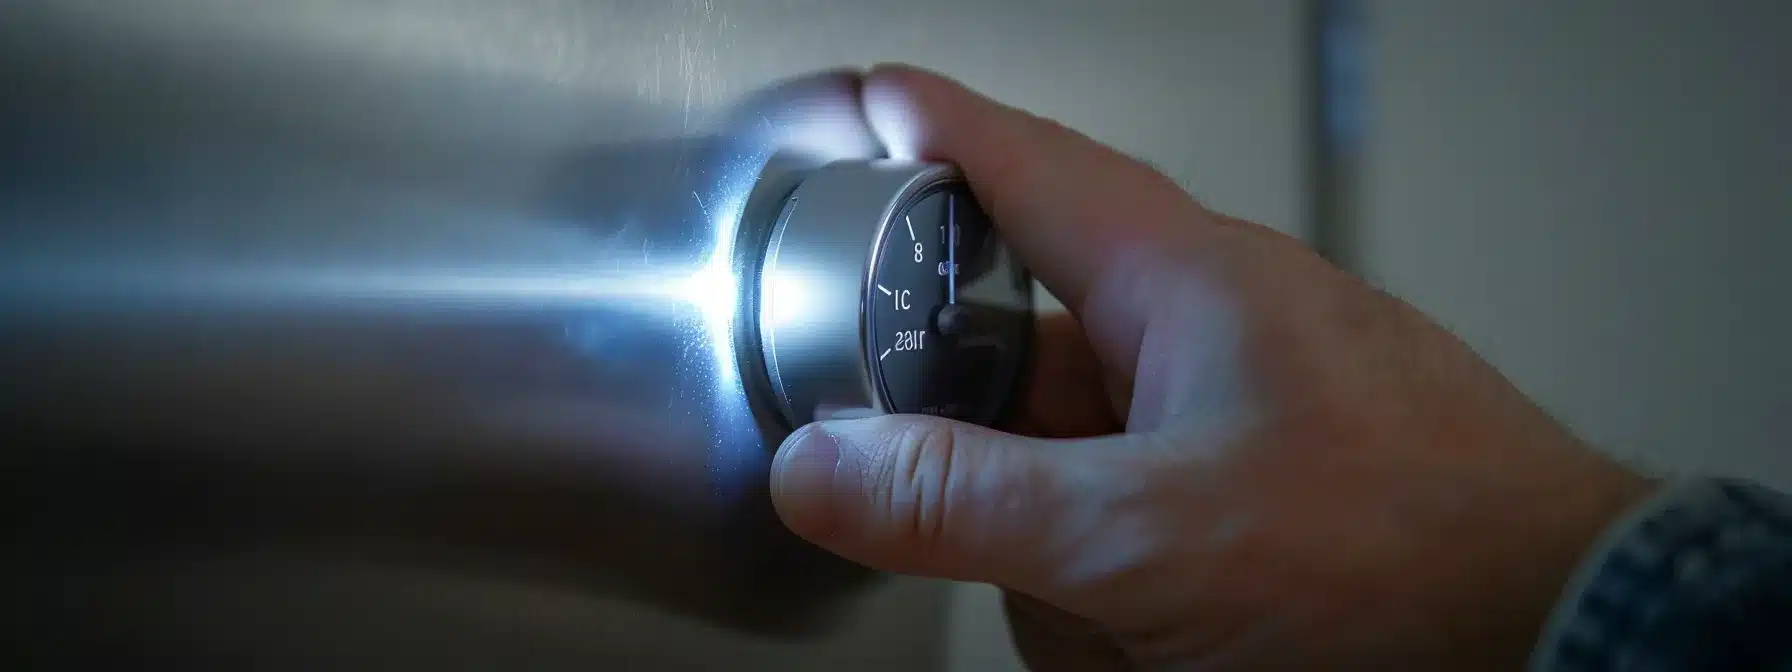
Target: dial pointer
[{"x": 951, "y": 250}]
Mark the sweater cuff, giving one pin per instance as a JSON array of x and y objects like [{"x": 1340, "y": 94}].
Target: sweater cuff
[{"x": 1697, "y": 577}]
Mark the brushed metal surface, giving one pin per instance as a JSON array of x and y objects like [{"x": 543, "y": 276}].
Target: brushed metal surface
[
  {"x": 260, "y": 289},
  {"x": 298, "y": 294}
]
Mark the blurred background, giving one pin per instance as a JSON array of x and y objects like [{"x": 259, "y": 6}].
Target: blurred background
[{"x": 1595, "y": 195}]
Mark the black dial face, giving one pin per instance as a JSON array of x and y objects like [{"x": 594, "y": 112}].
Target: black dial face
[{"x": 949, "y": 313}]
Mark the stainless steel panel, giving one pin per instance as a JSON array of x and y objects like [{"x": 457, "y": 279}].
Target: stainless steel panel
[{"x": 352, "y": 331}]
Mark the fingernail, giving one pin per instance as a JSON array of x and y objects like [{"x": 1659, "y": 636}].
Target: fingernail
[{"x": 803, "y": 480}]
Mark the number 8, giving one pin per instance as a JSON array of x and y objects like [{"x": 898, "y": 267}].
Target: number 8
[{"x": 917, "y": 253}]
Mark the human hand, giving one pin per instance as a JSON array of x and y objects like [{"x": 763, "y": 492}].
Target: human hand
[{"x": 1257, "y": 460}]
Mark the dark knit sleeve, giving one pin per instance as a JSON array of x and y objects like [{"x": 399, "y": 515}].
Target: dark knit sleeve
[{"x": 1698, "y": 578}]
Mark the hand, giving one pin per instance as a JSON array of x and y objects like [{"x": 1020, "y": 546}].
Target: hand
[{"x": 1258, "y": 460}]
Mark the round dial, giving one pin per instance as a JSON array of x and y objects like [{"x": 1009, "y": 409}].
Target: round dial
[
  {"x": 948, "y": 311},
  {"x": 883, "y": 288}
]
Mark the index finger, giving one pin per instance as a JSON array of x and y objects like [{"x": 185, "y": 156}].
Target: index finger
[{"x": 1082, "y": 216}]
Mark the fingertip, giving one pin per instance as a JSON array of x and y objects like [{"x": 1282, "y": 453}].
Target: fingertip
[
  {"x": 892, "y": 70},
  {"x": 891, "y": 110},
  {"x": 907, "y": 77},
  {"x": 917, "y": 113},
  {"x": 802, "y": 478}
]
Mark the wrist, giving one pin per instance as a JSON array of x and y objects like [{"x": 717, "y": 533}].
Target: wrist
[
  {"x": 1512, "y": 578},
  {"x": 1592, "y": 509}
]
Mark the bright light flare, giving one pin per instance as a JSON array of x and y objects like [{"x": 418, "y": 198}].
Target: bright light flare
[{"x": 713, "y": 291}]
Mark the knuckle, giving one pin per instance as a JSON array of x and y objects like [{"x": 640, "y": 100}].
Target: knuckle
[{"x": 919, "y": 484}]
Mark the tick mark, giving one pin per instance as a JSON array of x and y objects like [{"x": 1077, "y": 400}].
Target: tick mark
[
  {"x": 881, "y": 289},
  {"x": 911, "y": 226},
  {"x": 882, "y": 356}
]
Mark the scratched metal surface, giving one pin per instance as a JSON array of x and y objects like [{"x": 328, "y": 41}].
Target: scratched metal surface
[{"x": 386, "y": 333}]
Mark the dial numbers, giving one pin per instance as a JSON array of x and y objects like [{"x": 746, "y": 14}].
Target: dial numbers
[{"x": 920, "y": 271}]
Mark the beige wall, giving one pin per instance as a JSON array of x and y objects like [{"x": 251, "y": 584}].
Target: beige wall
[{"x": 1598, "y": 196}]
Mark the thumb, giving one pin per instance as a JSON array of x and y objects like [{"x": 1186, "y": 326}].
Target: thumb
[{"x": 934, "y": 497}]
